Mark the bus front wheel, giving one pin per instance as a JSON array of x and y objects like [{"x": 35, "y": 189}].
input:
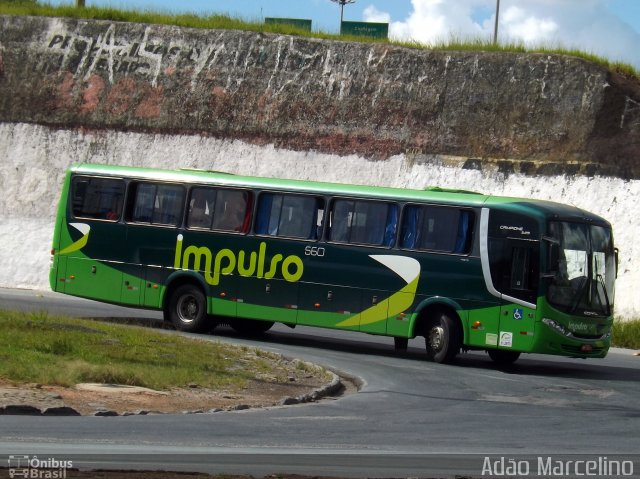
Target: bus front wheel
[
  {"x": 442, "y": 338},
  {"x": 503, "y": 357},
  {"x": 187, "y": 309}
]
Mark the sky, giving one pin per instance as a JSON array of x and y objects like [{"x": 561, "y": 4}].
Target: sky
[{"x": 608, "y": 28}]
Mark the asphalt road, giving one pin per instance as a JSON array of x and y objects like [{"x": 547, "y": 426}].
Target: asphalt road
[{"x": 410, "y": 418}]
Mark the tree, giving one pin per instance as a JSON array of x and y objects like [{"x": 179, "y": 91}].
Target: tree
[{"x": 342, "y": 3}]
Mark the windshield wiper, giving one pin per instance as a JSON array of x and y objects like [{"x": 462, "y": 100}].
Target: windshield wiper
[{"x": 579, "y": 292}]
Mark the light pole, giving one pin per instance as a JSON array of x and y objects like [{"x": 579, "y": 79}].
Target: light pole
[
  {"x": 342, "y": 3},
  {"x": 495, "y": 27}
]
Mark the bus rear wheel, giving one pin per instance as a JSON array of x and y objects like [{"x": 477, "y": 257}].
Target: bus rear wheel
[
  {"x": 251, "y": 327},
  {"x": 442, "y": 338},
  {"x": 187, "y": 309},
  {"x": 503, "y": 357}
]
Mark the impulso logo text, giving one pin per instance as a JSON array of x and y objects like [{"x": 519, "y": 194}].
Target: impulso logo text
[{"x": 226, "y": 261}]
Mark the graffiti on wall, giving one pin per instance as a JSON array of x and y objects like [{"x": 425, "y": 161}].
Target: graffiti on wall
[{"x": 230, "y": 58}]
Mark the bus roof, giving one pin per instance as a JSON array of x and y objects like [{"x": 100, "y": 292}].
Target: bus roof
[{"x": 539, "y": 208}]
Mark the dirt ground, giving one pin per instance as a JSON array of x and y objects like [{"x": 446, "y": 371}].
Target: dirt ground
[{"x": 286, "y": 383}]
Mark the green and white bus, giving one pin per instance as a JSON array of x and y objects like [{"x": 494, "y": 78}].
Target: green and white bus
[{"x": 464, "y": 270}]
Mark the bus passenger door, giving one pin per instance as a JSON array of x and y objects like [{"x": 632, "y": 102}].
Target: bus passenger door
[{"x": 519, "y": 282}]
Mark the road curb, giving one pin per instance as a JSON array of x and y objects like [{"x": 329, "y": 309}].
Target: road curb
[{"x": 329, "y": 389}]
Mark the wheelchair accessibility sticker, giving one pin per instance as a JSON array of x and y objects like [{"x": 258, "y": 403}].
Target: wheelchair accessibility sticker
[{"x": 518, "y": 314}]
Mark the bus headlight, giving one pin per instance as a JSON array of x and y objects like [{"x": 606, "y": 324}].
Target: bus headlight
[{"x": 558, "y": 328}]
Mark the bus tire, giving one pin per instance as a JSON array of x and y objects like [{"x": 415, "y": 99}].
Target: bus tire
[
  {"x": 187, "y": 309},
  {"x": 442, "y": 338},
  {"x": 500, "y": 356},
  {"x": 250, "y": 327}
]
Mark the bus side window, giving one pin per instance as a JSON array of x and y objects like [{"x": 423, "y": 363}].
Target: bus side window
[
  {"x": 232, "y": 211},
  {"x": 340, "y": 220},
  {"x": 437, "y": 228},
  {"x": 157, "y": 204},
  {"x": 523, "y": 272},
  {"x": 201, "y": 206},
  {"x": 464, "y": 234},
  {"x": 291, "y": 216},
  {"x": 143, "y": 202},
  {"x": 513, "y": 265},
  {"x": 364, "y": 222},
  {"x": 520, "y": 268},
  {"x": 98, "y": 198},
  {"x": 168, "y": 205}
]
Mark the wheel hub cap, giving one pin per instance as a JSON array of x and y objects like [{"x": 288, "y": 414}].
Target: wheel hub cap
[
  {"x": 187, "y": 309},
  {"x": 436, "y": 338}
]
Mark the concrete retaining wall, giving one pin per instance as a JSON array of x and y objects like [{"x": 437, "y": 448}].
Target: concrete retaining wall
[{"x": 375, "y": 100}]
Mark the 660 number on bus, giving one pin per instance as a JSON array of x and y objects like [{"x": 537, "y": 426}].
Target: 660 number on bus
[{"x": 314, "y": 251}]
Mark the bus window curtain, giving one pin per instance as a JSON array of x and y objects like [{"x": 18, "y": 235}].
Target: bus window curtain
[
  {"x": 246, "y": 224},
  {"x": 314, "y": 234},
  {"x": 264, "y": 213},
  {"x": 410, "y": 226},
  {"x": 392, "y": 224},
  {"x": 463, "y": 232},
  {"x": 370, "y": 223}
]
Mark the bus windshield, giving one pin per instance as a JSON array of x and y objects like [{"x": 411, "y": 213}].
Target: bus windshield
[{"x": 585, "y": 269}]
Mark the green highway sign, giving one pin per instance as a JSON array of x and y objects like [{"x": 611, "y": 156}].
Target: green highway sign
[{"x": 365, "y": 29}]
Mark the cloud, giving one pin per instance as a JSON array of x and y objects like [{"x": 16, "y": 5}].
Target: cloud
[
  {"x": 582, "y": 24},
  {"x": 372, "y": 14},
  {"x": 519, "y": 24}
]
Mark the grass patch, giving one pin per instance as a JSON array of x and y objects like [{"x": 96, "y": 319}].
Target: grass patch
[
  {"x": 626, "y": 334},
  {"x": 226, "y": 22},
  {"x": 51, "y": 350}
]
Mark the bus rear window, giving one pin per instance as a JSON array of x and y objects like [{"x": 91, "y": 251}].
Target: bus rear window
[
  {"x": 97, "y": 198},
  {"x": 437, "y": 228},
  {"x": 159, "y": 204},
  {"x": 291, "y": 216},
  {"x": 363, "y": 222},
  {"x": 219, "y": 209}
]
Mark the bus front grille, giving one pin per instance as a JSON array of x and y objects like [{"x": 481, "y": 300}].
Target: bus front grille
[{"x": 577, "y": 350}]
